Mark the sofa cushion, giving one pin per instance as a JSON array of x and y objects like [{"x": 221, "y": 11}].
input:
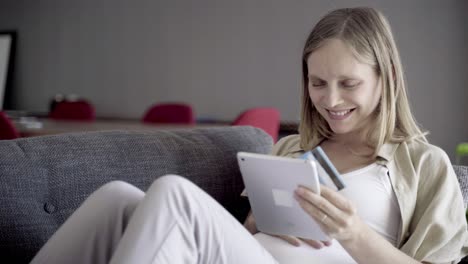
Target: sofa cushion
[{"x": 44, "y": 179}]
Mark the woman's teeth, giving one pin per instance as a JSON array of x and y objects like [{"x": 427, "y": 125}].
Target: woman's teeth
[{"x": 340, "y": 113}]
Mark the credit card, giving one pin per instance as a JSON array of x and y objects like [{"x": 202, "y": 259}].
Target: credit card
[{"x": 319, "y": 155}]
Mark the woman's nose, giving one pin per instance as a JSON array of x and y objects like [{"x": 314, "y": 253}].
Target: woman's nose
[{"x": 332, "y": 97}]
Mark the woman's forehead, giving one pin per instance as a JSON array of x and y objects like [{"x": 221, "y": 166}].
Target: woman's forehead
[{"x": 335, "y": 59}]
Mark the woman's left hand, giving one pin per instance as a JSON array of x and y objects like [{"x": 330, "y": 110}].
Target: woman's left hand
[{"x": 336, "y": 215}]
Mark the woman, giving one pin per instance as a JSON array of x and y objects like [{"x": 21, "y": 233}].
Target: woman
[
  {"x": 355, "y": 107},
  {"x": 402, "y": 203}
]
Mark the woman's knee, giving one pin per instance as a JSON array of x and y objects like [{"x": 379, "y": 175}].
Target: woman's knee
[
  {"x": 171, "y": 180},
  {"x": 117, "y": 194},
  {"x": 117, "y": 188},
  {"x": 172, "y": 183}
]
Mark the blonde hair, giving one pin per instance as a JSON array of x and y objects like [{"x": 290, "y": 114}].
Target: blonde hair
[{"x": 367, "y": 33}]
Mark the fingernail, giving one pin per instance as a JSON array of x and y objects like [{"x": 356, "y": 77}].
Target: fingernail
[
  {"x": 300, "y": 190},
  {"x": 296, "y": 196}
]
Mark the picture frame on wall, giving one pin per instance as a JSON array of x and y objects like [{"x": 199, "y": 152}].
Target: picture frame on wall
[{"x": 7, "y": 48}]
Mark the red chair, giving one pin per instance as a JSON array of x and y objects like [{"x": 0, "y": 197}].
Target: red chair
[
  {"x": 7, "y": 128},
  {"x": 267, "y": 119},
  {"x": 169, "y": 113},
  {"x": 73, "y": 110}
]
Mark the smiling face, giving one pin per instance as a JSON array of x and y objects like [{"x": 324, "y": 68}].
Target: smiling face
[{"x": 343, "y": 90}]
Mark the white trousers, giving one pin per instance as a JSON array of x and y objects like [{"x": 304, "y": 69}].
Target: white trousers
[{"x": 174, "y": 222}]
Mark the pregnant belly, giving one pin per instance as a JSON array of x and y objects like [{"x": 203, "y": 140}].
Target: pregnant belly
[{"x": 304, "y": 254}]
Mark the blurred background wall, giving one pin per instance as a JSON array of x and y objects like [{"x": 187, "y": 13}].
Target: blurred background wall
[{"x": 222, "y": 56}]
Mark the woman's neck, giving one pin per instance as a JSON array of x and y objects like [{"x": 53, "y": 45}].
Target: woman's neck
[
  {"x": 356, "y": 144},
  {"x": 350, "y": 140}
]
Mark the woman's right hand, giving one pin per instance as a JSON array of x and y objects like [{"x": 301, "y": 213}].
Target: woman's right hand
[{"x": 251, "y": 226}]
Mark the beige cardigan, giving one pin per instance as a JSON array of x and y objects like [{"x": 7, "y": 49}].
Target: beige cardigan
[{"x": 433, "y": 228}]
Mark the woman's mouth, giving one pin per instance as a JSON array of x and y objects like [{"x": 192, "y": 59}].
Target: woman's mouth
[{"x": 340, "y": 115}]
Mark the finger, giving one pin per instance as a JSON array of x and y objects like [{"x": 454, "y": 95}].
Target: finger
[
  {"x": 314, "y": 243},
  {"x": 327, "y": 243},
  {"x": 337, "y": 199},
  {"x": 291, "y": 240},
  {"x": 316, "y": 205},
  {"x": 314, "y": 212}
]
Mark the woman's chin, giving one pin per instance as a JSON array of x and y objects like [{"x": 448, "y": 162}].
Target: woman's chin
[{"x": 341, "y": 130}]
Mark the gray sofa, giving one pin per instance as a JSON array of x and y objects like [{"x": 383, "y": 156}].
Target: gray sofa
[{"x": 44, "y": 179}]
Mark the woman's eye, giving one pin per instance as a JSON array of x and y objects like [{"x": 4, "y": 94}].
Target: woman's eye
[
  {"x": 318, "y": 84},
  {"x": 350, "y": 84}
]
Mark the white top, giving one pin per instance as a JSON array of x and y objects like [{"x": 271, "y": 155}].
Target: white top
[{"x": 371, "y": 191}]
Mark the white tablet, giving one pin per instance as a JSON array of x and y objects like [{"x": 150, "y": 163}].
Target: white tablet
[{"x": 270, "y": 182}]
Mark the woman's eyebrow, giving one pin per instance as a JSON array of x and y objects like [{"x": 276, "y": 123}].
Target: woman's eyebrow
[
  {"x": 312, "y": 76},
  {"x": 341, "y": 77},
  {"x": 349, "y": 77}
]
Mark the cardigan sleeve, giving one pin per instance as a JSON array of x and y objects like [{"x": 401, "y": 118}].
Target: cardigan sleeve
[{"x": 438, "y": 229}]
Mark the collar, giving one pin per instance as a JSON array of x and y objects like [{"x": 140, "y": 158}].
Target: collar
[{"x": 387, "y": 151}]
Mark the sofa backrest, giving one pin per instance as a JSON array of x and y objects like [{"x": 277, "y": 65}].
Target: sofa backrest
[
  {"x": 44, "y": 179},
  {"x": 462, "y": 175}
]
